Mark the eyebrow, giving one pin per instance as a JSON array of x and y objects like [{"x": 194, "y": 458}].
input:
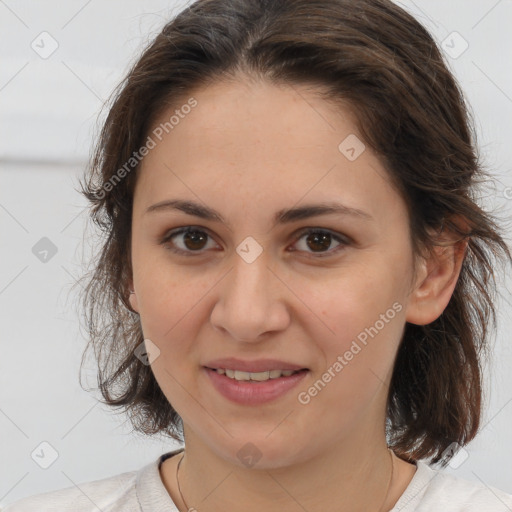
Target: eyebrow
[{"x": 284, "y": 216}]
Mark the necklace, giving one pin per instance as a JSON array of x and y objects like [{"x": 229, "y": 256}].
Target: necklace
[
  {"x": 178, "y": 482},
  {"x": 390, "y": 478},
  {"x": 380, "y": 509}
]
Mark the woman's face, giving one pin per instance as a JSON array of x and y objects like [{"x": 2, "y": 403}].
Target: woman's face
[{"x": 327, "y": 292}]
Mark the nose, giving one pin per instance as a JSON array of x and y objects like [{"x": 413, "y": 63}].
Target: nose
[{"x": 251, "y": 301}]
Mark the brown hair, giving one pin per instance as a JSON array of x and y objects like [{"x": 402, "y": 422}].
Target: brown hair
[{"x": 375, "y": 57}]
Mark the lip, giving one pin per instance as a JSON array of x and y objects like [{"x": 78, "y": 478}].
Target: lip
[
  {"x": 253, "y": 393},
  {"x": 258, "y": 365}
]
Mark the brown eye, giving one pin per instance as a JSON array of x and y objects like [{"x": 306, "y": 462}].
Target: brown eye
[
  {"x": 194, "y": 240},
  {"x": 318, "y": 242},
  {"x": 187, "y": 240}
]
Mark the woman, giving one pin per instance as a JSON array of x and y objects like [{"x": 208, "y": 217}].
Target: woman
[{"x": 296, "y": 279}]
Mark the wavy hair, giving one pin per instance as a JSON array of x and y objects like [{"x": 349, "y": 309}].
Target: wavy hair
[{"x": 375, "y": 57}]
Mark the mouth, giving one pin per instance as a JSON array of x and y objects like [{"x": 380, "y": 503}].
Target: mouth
[
  {"x": 242, "y": 376},
  {"x": 253, "y": 388}
]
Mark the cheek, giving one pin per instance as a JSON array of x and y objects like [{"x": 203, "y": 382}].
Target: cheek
[
  {"x": 354, "y": 300},
  {"x": 358, "y": 350},
  {"x": 166, "y": 308},
  {"x": 158, "y": 282},
  {"x": 172, "y": 303},
  {"x": 359, "y": 317}
]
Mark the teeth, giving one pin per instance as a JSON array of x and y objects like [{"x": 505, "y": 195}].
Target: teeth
[
  {"x": 257, "y": 376},
  {"x": 260, "y": 376}
]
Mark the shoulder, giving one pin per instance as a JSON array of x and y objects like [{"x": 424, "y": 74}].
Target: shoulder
[
  {"x": 432, "y": 489},
  {"x": 107, "y": 495}
]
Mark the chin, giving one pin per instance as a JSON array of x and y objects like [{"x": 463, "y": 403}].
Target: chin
[{"x": 260, "y": 451}]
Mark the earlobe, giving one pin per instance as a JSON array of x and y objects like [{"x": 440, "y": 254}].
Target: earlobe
[
  {"x": 436, "y": 282},
  {"x": 132, "y": 298}
]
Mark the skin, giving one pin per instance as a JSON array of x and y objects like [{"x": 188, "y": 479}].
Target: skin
[{"x": 247, "y": 150}]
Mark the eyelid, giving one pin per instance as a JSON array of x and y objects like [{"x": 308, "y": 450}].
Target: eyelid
[
  {"x": 181, "y": 230},
  {"x": 338, "y": 236},
  {"x": 342, "y": 239}
]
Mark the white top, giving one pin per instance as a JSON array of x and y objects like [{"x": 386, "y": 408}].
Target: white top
[{"x": 143, "y": 491}]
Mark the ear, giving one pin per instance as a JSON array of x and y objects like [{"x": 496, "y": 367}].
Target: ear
[
  {"x": 132, "y": 298},
  {"x": 436, "y": 279}
]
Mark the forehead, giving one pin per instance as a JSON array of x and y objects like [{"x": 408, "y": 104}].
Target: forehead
[
  {"x": 236, "y": 114},
  {"x": 260, "y": 140}
]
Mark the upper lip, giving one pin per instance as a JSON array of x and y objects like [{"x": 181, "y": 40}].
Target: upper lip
[{"x": 259, "y": 365}]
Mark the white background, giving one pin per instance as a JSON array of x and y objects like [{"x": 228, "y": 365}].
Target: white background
[{"x": 48, "y": 117}]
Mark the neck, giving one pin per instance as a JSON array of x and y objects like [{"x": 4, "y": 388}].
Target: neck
[{"x": 355, "y": 476}]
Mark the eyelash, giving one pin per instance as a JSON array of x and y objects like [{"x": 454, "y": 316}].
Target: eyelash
[{"x": 344, "y": 241}]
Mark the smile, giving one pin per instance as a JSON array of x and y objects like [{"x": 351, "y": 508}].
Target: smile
[
  {"x": 254, "y": 376},
  {"x": 253, "y": 388}
]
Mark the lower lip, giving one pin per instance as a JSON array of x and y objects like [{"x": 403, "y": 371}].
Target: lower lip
[{"x": 251, "y": 393}]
